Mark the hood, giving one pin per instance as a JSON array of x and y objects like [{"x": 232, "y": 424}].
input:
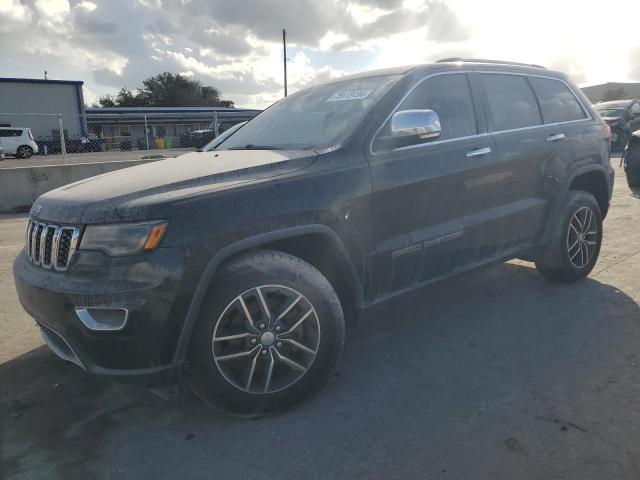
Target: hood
[{"x": 129, "y": 193}]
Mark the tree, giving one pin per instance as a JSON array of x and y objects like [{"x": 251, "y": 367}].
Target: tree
[
  {"x": 124, "y": 98},
  {"x": 167, "y": 90},
  {"x": 615, "y": 94}
]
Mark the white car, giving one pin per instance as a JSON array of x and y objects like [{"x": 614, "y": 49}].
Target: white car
[{"x": 18, "y": 141}]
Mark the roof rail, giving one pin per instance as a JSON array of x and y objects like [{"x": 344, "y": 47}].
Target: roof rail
[{"x": 484, "y": 60}]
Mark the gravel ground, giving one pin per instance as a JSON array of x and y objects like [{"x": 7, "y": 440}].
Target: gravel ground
[{"x": 492, "y": 375}]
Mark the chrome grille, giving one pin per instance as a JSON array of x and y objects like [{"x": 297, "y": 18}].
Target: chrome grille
[{"x": 51, "y": 246}]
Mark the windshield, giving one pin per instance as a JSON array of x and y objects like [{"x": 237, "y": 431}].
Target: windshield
[
  {"x": 215, "y": 143},
  {"x": 612, "y": 112},
  {"x": 318, "y": 117}
]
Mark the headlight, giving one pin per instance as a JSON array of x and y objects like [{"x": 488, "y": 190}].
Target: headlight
[{"x": 120, "y": 239}]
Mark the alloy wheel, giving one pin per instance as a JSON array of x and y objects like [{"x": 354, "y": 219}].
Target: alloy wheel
[
  {"x": 266, "y": 339},
  {"x": 23, "y": 152},
  {"x": 582, "y": 237}
]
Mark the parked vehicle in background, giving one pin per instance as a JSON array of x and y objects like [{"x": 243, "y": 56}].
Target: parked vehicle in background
[
  {"x": 631, "y": 160},
  {"x": 18, "y": 141},
  {"x": 215, "y": 143},
  {"x": 623, "y": 116},
  {"x": 241, "y": 272},
  {"x": 199, "y": 138},
  {"x": 1, "y": 151}
]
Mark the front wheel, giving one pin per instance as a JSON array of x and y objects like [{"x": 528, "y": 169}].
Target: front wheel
[
  {"x": 268, "y": 337},
  {"x": 575, "y": 245},
  {"x": 24, "y": 151}
]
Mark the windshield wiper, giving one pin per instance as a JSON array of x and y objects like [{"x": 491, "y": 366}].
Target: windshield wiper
[{"x": 251, "y": 146}]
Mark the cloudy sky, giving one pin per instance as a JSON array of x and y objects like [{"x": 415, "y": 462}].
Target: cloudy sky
[{"x": 235, "y": 45}]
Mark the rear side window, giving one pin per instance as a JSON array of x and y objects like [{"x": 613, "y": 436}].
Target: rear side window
[
  {"x": 447, "y": 95},
  {"x": 557, "y": 102},
  {"x": 10, "y": 133},
  {"x": 512, "y": 103}
]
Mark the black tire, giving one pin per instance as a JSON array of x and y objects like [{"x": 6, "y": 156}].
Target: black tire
[
  {"x": 562, "y": 262},
  {"x": 24, "y": 151},
  {"x": 633, "y": 180},
  {"x": 223, "y": 384}
]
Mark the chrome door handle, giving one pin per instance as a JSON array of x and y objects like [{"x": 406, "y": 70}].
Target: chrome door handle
[
  {"x": 556, "y": 137},
  {"x": 478, "y": 151}
]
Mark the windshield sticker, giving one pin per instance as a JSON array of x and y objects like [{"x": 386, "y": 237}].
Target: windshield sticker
[{"x": 349, "y": 95}]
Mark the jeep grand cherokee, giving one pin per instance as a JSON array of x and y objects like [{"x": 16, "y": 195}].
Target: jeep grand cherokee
[{"x": 238, "y": 268}]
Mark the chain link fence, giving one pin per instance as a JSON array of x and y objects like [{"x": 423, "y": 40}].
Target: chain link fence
[{"x": 95, "y": 131}]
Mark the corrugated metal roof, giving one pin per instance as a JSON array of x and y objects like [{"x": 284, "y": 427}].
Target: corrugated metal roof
[{"x": 41, "y": 80}]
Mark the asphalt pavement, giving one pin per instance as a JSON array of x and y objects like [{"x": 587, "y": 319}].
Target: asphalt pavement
[{"x": 497, "y": 374}]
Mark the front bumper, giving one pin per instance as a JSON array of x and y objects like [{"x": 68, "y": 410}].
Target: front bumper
[{"x": 149, "y": 286}]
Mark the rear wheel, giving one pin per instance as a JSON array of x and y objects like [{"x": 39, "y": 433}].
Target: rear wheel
[
  {"x": 24, "y": 151},
  {"x": 575, "y": 245},
  {"x": 268, "y": 337},
  {"x": 633, "y": 179}
]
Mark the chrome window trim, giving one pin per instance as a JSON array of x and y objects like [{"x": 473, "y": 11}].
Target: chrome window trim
[{"x": 588, "y": 117}]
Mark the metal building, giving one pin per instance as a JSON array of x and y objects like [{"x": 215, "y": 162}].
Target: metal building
[{"x": 36, "y": 103}]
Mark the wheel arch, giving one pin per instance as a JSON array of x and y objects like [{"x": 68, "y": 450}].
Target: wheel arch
[
  {"x": 302, "y": 241},
  {"x": 593, "y": 181}
]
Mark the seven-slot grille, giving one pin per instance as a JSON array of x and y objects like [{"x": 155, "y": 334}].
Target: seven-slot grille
[{"x": 51, "y": 246}]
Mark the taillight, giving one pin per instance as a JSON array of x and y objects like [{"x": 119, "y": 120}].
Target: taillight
[{"x": 31, "y": 134}]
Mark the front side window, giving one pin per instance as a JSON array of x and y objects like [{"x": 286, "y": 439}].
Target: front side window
[
  {"x": 318, "y": 117},
  {"x": 512, "y": 103},
  {"x": 557, "y": 102},
  {"x": 447, "y": 95}
]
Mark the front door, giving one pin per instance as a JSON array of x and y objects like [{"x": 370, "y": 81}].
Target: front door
[{"x": 434, "y": 201}]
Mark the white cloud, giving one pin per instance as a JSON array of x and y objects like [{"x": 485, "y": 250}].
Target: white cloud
[
  {"x": 13, "y": 14},
  {"x": 86, "y": 5},
  {"x": 236, "y": 46}
]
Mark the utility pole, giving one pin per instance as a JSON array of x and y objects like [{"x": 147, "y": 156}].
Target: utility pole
[{"x": 284, "y": 47}]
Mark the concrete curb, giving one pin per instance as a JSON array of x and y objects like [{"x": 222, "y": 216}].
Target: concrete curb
[{"x": 20, "y": 187}]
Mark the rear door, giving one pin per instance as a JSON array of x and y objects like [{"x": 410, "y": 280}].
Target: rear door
[
  {"x": 434, "y": 201},
  {"x": 532, "y": 155}
]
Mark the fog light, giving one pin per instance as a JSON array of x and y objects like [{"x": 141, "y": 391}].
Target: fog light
[{"x": 103, "y": 318}]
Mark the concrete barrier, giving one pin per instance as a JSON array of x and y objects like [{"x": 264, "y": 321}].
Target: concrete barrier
[{"x": 20, "y": 187}]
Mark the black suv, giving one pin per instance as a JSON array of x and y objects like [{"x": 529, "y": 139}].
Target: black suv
[
  {"x": 238, "y": 269},
  {"x": 623, "y": 116}
]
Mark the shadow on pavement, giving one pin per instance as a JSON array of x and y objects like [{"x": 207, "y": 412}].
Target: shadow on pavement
[{"x": 495, "y": 374}]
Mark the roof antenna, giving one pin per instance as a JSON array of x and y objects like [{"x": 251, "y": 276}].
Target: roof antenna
[{"x": 45, "y": 75}]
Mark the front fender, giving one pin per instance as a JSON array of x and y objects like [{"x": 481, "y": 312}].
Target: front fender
[{"x": 242, "y": 245}]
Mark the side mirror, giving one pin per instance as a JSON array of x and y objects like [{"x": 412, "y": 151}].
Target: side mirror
[{"x": 424, "y": 124}]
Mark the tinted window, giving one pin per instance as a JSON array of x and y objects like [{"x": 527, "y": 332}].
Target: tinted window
[
  {"x": 10, "y": 133},
  {"x": 512, "y": 103},
  {"x": 447, "y": 95},
  {"x": 635, "y": 108},
  {"x": 557, "y": 102},
  {"x": 607, "y": 112}
]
